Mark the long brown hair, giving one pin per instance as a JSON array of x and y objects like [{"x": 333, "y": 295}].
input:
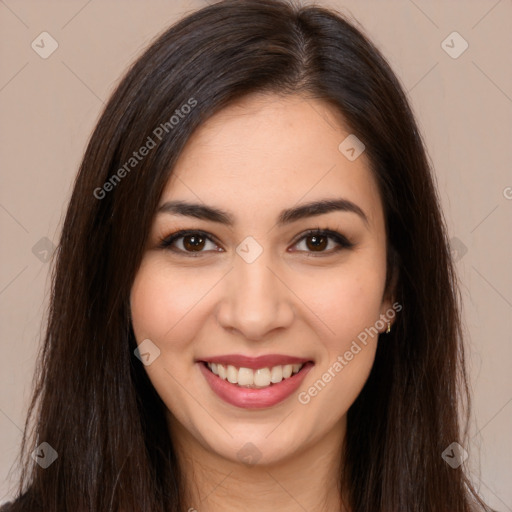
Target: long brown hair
[{"x": 93, "y": 402}]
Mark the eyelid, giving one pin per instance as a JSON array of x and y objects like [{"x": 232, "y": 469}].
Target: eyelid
[
  {"x": 341, "y": 240},
  {"x": 166, "y": 243}
]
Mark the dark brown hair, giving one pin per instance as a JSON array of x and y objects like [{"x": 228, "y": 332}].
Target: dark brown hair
[{"x": 93, "y": 402}]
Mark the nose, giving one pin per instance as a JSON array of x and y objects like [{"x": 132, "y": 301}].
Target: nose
[{"x": 255, "y": 300}]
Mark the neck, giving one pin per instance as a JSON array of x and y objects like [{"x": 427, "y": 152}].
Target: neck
[{"x": 308, "y": 480}]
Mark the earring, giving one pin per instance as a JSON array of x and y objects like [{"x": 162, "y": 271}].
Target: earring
[{"x": 388, "y": 330}]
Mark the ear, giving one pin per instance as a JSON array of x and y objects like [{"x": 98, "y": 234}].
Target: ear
[{"x": 389, "y": 307}]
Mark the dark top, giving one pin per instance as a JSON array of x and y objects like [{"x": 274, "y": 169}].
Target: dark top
[{"x": 8, "y": 507}]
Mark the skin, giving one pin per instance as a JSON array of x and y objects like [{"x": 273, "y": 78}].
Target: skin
[{"x": 254, "y": 159}]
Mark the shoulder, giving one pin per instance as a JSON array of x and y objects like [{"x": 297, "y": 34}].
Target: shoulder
[
  {"x": 16, "y": 506},
  {"x": 20, "y": 504}
]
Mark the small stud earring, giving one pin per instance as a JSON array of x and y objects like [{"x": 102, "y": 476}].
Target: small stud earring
[{"x": 388, "y": 330}]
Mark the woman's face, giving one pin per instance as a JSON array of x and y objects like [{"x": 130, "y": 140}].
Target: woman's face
[{"x": 250, "y": 288}]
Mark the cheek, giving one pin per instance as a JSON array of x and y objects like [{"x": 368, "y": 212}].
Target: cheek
[
  {"x": 159, "y": 302},
  {"x": 349, "y": 308},
  {"x": 346, "y": 300}
]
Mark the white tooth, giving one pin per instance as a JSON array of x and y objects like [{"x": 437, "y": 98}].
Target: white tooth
[
  {"x": 287, "y": 371},
  {"x": 276, "y": 375},
  {"x": 232, "y": 374},
  {"x": 245, "y": 377},
  {"x": 262, "y": 377},
  {"x": 222, "y": 371},
  {"x": 296, "y": 367}
]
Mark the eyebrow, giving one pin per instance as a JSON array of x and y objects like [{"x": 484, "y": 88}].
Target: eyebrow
[{"x": 287, "y": 216}]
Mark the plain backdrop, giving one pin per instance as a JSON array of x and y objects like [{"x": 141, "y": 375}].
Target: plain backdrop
[{"x": 463, "y": 105}]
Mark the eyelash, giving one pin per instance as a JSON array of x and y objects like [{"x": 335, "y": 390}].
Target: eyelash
[{"x": 341, "y": 240}]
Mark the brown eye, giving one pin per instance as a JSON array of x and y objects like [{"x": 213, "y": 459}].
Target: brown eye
[
  {"x": 193, "y": 242},
  {"x": 189, "y": 243},
  {"x": 316, "y": 242}
]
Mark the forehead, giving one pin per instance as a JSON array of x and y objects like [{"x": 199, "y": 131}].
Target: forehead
[{"x": 265, "y": 153}]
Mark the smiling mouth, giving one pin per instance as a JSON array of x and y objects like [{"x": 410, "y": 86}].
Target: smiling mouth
[{"x": 255, "y": 379}]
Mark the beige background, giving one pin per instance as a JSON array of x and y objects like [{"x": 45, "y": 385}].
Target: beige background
[{"x": 463, "y": 105}]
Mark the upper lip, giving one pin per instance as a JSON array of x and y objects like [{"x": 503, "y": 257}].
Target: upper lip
[{"x": 266, "y": 361}]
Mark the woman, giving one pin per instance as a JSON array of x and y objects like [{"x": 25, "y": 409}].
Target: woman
[{"x": 254, "y": 304}]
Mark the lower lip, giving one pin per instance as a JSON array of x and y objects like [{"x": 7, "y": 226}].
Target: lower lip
[{"x": 248, "y": 398}]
